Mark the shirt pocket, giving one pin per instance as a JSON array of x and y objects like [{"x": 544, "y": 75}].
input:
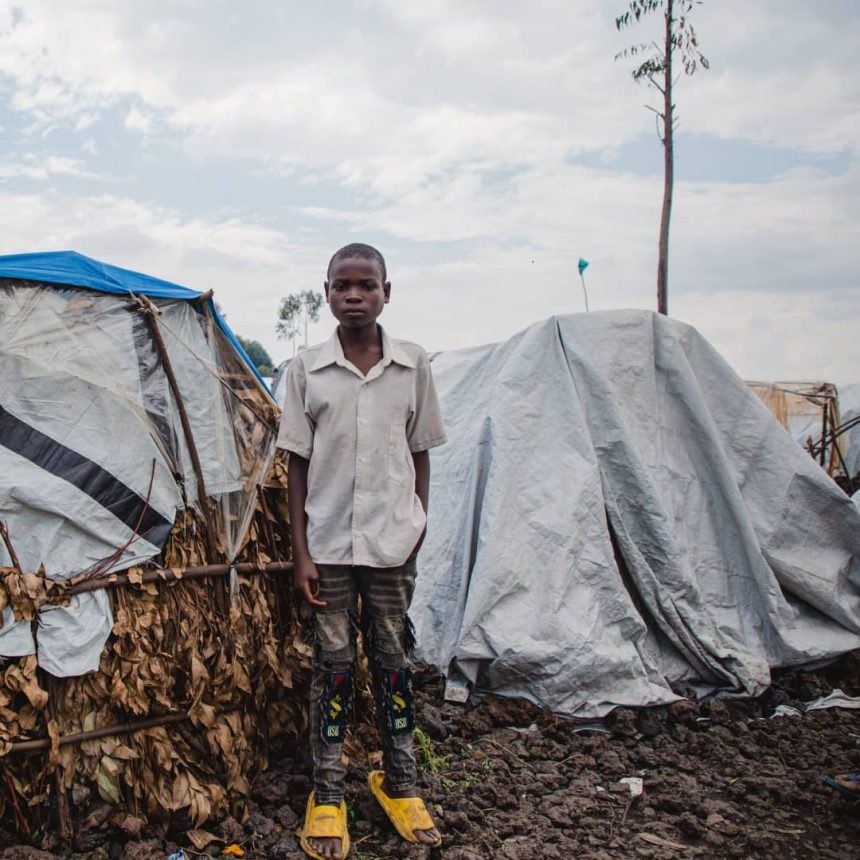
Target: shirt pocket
[{"x": 399, "y": 460}]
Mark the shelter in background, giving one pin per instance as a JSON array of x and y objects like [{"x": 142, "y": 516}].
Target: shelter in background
[
  {"x": 618, "y": 520},
  {"x": 849, "y": 429},
  {"x": 809, "y": 411}
]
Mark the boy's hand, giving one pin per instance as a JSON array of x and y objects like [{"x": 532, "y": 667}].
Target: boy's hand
[{"x": 306, "y": 581}]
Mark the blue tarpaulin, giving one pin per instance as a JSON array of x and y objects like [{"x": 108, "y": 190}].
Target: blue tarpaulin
[{"x": 76, "y": 270}]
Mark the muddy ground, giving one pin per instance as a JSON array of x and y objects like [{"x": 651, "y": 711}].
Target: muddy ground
[{"x": 506, "y": 780}]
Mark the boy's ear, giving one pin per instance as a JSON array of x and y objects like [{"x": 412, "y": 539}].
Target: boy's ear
[
  {"x": 386, "y": 290},
  {"x": 325, "y": 288}
]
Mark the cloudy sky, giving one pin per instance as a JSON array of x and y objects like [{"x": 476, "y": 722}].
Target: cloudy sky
[{"x": 483, "y": 145}]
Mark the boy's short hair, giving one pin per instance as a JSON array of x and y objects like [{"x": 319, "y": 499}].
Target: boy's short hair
[{"x": 358, "y": 249}]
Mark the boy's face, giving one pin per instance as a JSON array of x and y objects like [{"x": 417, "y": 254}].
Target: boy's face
[{"x": 356, "y": 292}]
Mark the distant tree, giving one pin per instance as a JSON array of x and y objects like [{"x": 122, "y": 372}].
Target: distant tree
[
  {"x": 657, "y": 68},
  {"x": 258, "y": 355},
  {"x": 297, "y": 310},
  {"x": 289, "y": 318}
]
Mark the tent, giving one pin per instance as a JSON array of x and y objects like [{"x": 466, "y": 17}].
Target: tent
[
  {"x": 618, "y": 520},
  {"x": 123, "y": 400}
]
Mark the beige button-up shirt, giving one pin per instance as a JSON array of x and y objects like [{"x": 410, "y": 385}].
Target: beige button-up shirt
[{"x": 359, "y": 433}]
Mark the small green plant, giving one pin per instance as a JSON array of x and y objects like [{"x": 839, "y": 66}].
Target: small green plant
[
  {"x": 484, "y": 771},
  {"x": 429, "y": 760},
  {"x": 473, "y": 777}
]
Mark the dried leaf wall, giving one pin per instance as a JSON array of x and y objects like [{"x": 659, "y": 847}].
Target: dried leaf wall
[{"x": 230, "y": 656}]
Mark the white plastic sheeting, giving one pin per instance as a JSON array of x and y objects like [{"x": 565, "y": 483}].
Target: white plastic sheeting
[
  {"x": 617, "y": 517},
  {"x": 93, "y": 459}
]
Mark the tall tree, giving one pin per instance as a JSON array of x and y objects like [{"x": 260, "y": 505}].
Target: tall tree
[
  {"x": 297, "y": 310},
  {"x": 657, "y": 67}
]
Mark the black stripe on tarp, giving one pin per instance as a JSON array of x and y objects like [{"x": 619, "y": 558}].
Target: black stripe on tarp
[{"x": 90, "y": 478}]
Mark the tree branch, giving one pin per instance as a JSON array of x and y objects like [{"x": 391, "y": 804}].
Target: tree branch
[{"x": 656, "y": 85}]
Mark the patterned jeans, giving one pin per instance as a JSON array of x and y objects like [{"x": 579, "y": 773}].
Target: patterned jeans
[{"x": 385, "y": 597}]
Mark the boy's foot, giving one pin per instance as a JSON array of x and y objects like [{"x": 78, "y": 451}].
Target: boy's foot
[
  {"x": 411, "y": 819},
  {"x": 328, "y": 848},
  {"x": 847, "y": 784},
  {"x": 426, "y": 837},
  {"x": 325, "y": 835}
]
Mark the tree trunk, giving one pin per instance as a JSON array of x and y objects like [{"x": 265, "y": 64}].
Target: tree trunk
[{"x": 668, "y": 170}]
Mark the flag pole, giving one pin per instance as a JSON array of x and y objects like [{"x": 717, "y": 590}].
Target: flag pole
[{"x": 583, "y": 265}]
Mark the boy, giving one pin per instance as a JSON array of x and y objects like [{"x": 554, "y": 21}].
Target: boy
[{"x": 360, "y": 416}]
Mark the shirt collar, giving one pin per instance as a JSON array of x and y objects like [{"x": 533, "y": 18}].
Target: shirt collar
[{"x": 331, "y": 352}]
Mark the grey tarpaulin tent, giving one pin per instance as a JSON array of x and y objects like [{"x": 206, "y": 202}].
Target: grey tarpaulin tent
[{"x": 617, "y": 515}]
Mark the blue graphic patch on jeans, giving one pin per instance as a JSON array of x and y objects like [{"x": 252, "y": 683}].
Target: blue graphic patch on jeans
[
  {"x": 334, "y": 706},
  {"x": 397, "y": 694}
]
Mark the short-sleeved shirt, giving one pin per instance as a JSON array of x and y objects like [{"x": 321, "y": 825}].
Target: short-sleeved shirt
[{"x": 359, "y": 433}]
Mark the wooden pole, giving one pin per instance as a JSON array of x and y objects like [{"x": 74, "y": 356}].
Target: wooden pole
[
  {"x": 668, "y": 168},
  {"x": 149, "y": 311},
  {"x": 64, "y": 816},
  {"x": 39, "y": 744},
  {"x": 114, "y": 580},
  {"x": 4, "y": 533}
]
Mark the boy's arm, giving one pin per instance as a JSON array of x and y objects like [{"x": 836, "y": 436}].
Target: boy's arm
[
  {"x": 421, "y": 461},
  {"x": 424, "y": 430},
  {"x": 305, "y": 573},
  {"x": 296, "y": 435}
]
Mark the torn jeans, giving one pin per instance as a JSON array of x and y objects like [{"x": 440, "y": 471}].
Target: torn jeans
[{"x": 386, "y": 594}]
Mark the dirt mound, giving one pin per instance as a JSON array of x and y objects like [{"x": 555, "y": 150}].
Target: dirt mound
[{"x": 507, "y": 780}]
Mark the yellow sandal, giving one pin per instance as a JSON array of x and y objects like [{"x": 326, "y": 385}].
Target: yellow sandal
[
  {"x": 407, "y": 814},
  {"x": 324, "y": 822}
]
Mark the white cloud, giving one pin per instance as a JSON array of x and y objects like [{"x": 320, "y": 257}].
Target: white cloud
[
  {"x": 244, "y": 263},
  {"x": 770, "y": 337},
  {"x": 408, "y": 79},
  {"x": 85, "y": 121},
  {"x": 448, "y": 127},
  {"x": 43, "y": 168},
  {"x": 137, "y": 120}
]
